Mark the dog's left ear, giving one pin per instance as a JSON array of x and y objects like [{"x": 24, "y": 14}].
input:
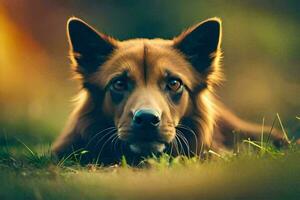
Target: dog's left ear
[
  {"x": 89, "y": 48},
  {"x": 201, "y": 43}
]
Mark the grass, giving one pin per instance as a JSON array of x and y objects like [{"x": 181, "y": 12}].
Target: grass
[
  {"x": 256, "y": 170},
  {"x": 255, "y": 173}
]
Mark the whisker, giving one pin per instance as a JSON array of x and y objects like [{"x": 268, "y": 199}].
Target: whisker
[
  {"x": 104, "y": 144},
  {"x": 116, "y": 144},
  {"x": 176, "y": 145},
  {"x": 97, "y": 134},
  {"x": 181, "y": 135},
  {"x": 171, "y": 148},
  {"x": 185, "y": 141},
  {"x": 113, "y": 144},
  {"x": 110, "y": 132},
  {"x": 181, "y": 146},
  {"x": 192, "y": 132}
]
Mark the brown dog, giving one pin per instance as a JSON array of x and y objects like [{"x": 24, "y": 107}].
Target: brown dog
[{"x": 147, "y": 96}]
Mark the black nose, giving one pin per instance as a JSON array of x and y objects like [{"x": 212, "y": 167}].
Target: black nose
[{"x": 146, "y": 118}]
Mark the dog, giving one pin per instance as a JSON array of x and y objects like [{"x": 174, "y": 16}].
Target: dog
[{"x": 141, "y": 97}]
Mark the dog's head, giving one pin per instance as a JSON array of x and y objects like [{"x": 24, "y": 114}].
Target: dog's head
[{"x": 148, "y": 85}]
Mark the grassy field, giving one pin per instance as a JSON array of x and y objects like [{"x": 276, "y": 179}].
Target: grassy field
[{"x": 258, "y": 171}]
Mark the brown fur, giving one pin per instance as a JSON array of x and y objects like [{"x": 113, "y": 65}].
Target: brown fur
[{"x": 146, "y": 62}]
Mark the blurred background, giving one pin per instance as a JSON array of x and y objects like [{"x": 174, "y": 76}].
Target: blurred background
[{"x": 261, "y": 46}]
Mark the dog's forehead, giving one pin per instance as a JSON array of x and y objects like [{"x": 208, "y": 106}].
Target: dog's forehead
[{"x": 146, "y": 61}]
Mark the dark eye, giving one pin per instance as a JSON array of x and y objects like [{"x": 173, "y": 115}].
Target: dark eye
[
  {"x": 120, "y": 85},
  {"x": 174, "y": 85}
]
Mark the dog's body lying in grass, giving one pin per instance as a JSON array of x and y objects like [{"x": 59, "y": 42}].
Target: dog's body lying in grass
[{"x": 147, "y": 96}]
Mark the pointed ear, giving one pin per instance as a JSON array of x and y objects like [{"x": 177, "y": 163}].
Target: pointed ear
[
  {"x": 201, "y": 43},
  {"x": 88, "y": 48}
]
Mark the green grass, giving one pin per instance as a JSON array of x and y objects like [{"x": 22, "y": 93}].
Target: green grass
[{"x": 257, "y": 171}]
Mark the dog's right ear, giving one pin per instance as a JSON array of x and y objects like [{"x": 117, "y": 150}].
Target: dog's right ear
[
  {"x": 201, "y": 44},
  {"x": 88, "y": 48}
]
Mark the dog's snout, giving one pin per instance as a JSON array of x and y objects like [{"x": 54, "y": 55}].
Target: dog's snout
[{"x": 146, "y": 118}]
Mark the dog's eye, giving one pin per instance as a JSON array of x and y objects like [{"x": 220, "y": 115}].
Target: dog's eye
[
  {"x": 174, "y": 85},
  {"x": 119, "y": 85}
]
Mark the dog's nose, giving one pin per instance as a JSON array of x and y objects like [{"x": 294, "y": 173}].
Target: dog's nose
[{"x": 146, "y": 118}]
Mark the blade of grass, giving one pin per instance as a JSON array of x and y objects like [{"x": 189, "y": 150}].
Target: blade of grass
[
  {"x": 260, "y": 147},
  {"x": 283, "y": 130},
  {"x": 26, "y": 147},
  {"x": 214, "y": 153},
  {"x": 270, "y": 132},
  {"x": 63, "y": 160},
  {"x": 252, "y": 143},
  {"x": 249, "y": 147},
  {"x": 124, "y": 162},
  {"x": 262, "y": 133}
]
